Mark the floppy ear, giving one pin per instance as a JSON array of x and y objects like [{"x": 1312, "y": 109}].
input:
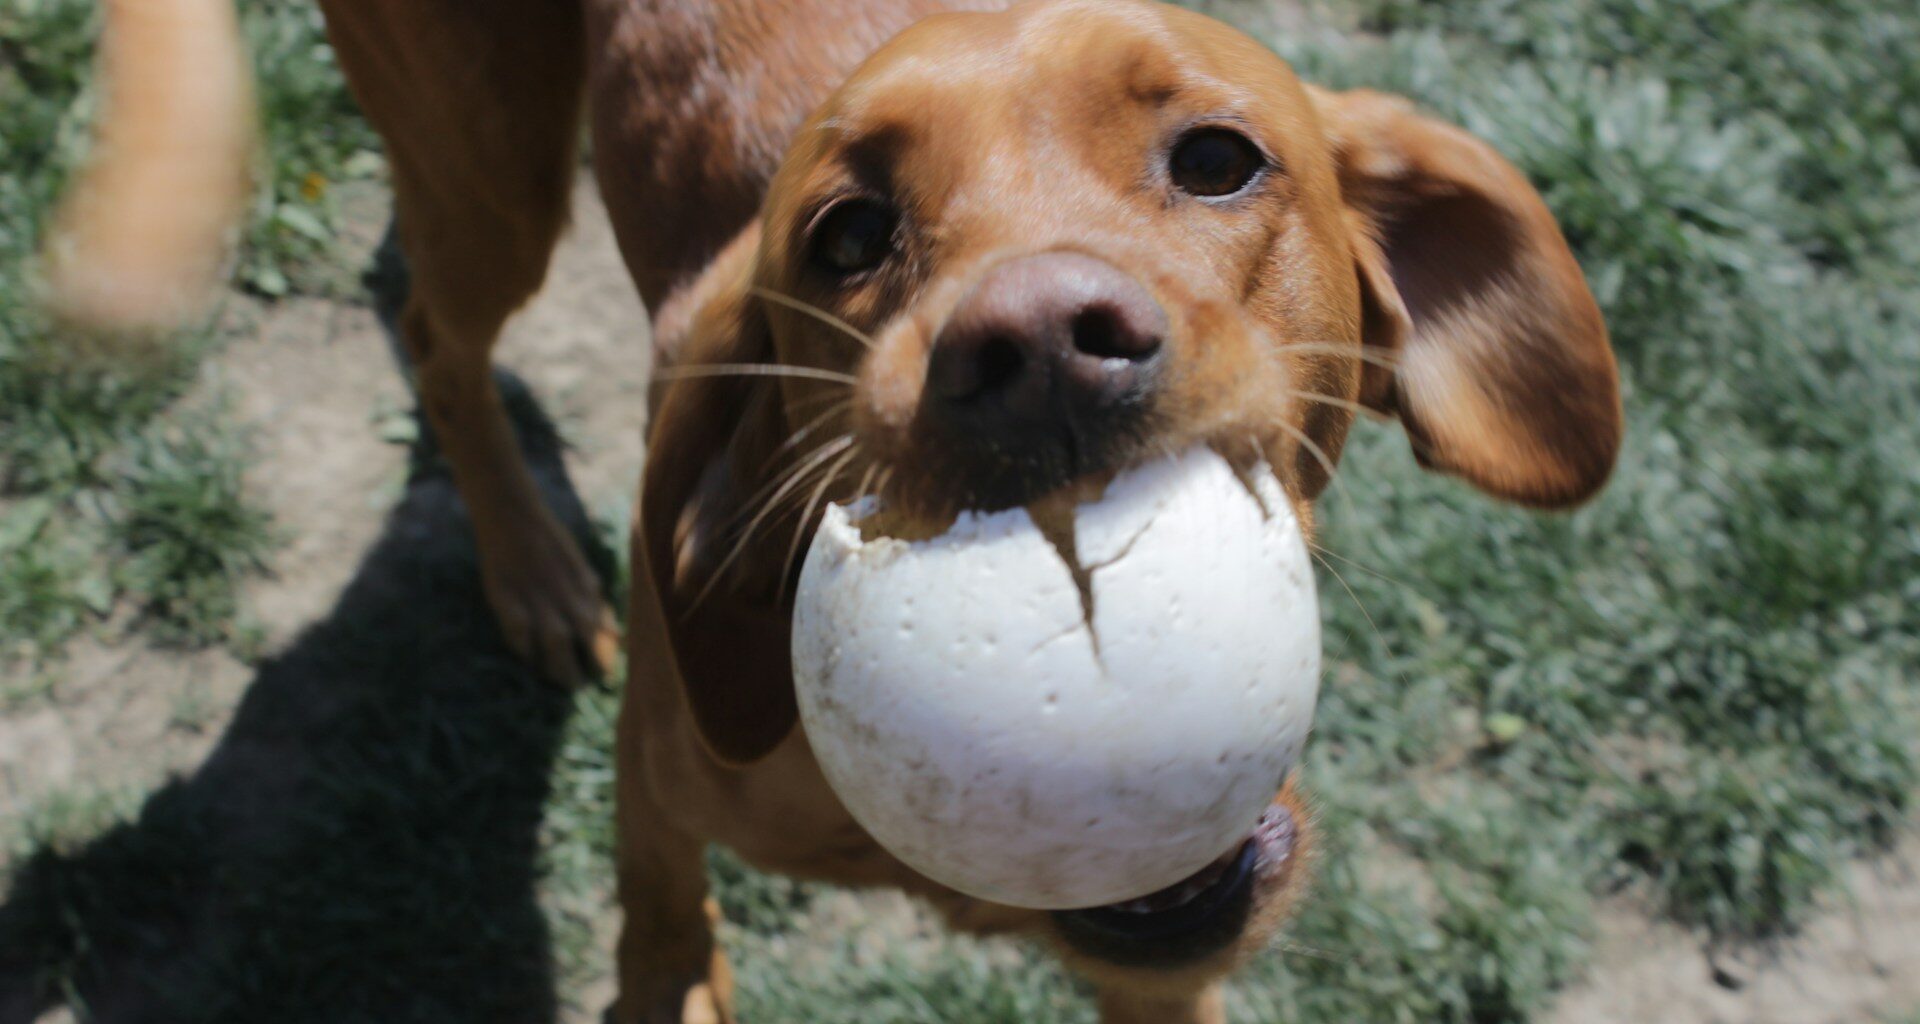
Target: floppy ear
[
  {"x": 1501, "y": 372},
  {"x": 726, "y": 641}
]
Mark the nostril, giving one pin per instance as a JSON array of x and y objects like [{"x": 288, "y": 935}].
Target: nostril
[
  {"x": 1101, "y": 333},
  {"x": 997, "y": 363}
]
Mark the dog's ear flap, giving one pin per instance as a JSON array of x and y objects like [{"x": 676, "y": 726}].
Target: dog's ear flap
[
  {"x": 728, "y": 646},
  {"x": 1500, "y": 370}
]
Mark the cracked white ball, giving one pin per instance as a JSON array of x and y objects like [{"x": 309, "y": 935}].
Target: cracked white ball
[{"x": 1015, "y": 737}]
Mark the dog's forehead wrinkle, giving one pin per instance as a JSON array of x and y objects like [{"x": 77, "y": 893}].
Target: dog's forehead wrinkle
[
  {"x": 1041, "y": 55},
  {"x": 872, "y": 136},
  {"x": 1154, "y": 54}
]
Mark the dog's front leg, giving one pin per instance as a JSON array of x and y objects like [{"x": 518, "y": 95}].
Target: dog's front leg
[
  {"x": 1122, "y": 1007},
  {"x": 671, "y": 970}
]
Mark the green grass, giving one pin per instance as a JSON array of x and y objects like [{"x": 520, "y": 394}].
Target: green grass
[
  {"x": 1714, "y": 660},
  {"x": 313, "y": 137},
  {"x": 1700, "y": 688}
]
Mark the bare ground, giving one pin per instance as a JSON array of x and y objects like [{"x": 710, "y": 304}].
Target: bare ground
[{"x": 316, "y": 381}]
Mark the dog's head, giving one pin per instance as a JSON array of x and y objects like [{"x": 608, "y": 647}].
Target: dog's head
[{"x": 1018, "y": 250}]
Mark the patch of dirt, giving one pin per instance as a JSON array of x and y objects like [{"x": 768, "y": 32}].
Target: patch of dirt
[
  {"x": 315, "y": 382},
  {"x": 1855, "y": 963},
  {"x": 99, "y": 735}
]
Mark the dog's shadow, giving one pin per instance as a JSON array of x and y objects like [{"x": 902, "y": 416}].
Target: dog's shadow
[{"x": 363, "y": 843}]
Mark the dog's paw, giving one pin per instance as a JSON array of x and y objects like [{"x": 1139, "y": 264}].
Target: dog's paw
[{"x": 548, "y": 602}]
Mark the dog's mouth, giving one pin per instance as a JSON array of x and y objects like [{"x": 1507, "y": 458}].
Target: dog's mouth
[{"x": 1192, "y": 918}]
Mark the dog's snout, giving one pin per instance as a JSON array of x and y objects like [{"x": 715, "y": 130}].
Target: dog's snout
[{"x": 1045, "y": 337}]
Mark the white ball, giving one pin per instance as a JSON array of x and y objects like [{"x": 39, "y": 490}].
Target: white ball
[{"x": 974, "y": 724}]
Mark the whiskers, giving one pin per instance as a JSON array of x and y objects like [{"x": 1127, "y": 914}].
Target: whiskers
[
  {"x": 1346, "y": 350},
  {"x": 1336, "y": 401},
  {"x": 1343, "y": 350},
  {"x": 771, "y": 500},
  {"x": 809, "y": 309},
  {"x": 1319, "y": 454},
  {"x": 799, "y": 489},
  {"x": 695, "y": 371},
  {"x": 813, "y": 503},
  {"x": 809, "y": 473},
  {"x": 1320, "y": 554}
]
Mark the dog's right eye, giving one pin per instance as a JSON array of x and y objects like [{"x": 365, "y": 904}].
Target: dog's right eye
[
  {"x": 854, "y": 235},
  {"x": 1214, "y": 162}
]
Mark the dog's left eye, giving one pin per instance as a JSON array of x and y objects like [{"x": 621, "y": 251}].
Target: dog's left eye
[
  {"x": 854, "y": 235},
  {"x": 1214, "y": 162}
]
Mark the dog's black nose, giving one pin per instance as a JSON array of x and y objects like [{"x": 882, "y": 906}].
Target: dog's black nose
[{"x": 1051, "y": 340}]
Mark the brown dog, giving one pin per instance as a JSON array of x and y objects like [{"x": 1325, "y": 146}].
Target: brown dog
[
  {"x": 1025, "y": 247},
  {"x": 964, "y": 261}
]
